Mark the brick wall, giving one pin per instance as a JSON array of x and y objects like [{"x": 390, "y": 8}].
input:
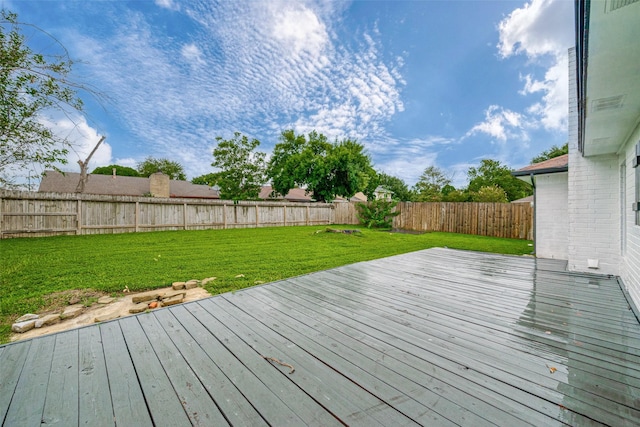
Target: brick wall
[
  {"x": 630, "y": 268},
  {"x": 594, "y": 204},
  {"x": 552, "y": 216}
]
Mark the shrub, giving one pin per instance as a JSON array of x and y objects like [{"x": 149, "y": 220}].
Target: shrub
[{"x": 377, "y": 214}]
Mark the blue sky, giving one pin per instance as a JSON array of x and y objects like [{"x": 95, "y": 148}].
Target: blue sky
[{"x": 419, "y": 83}]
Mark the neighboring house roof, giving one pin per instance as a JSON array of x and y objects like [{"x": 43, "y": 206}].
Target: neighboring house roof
[
  {"x": 300, "y": 195},
  {"x": 528, "y": 199},
  {"x": 556, "y": 164},
  {"x": 55, "y": 182},
  {"x": 294, "y": 195}
]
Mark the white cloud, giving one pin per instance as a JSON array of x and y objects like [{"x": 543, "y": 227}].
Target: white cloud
[
  {"x": 501, "y": 124},
  {"x": 192, "y": 54},
  {"x": 82, "y": 139},
  {"x": 260, "y": 68},
  {"x": 542, "y": 30},
  {"x": 167, "y": 4}
]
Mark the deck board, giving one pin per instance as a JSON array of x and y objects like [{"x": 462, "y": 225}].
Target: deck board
[
  {"x": 28, "y": 400},
  {"x": 62, "y": 405},
  {"x": 436, "y": 337}
]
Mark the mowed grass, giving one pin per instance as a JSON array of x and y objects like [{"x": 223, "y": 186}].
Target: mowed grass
[{"x": 33, "y": 268}]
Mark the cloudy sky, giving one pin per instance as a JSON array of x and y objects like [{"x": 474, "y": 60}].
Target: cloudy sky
[{"x": 419, "y": 83}]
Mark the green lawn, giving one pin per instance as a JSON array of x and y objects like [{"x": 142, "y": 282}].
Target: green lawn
[{"x": 33, "y": 268}]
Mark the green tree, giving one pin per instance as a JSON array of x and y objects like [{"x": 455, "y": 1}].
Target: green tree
[
  {"x": 206, "y": 179},
  {"x": 396, "y": 185},
  {"x": 31, "y": 84},
  {"x": 151, "y": 165},
  {"x": 120, "y": 170},
  {"x": 377, "y": 213},
  {"x": 552, "y": 152},
  {"x": 452, "y": 194},
  {"x": 326, "y": 169},
  {"x": 242, "y": 170},
  {"x": 490, "y": 194},
  {"x": 430, "y": 185},
  {"x": 493, "y": 173}
]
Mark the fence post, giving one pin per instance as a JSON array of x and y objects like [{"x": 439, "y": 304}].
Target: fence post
[
  {"x": 257, "y": 216},
  {"x": 184, "y": 216},
  {"x": 284, "y": 215},
  {"x": 308, "y": 216},
  {"x": 1, "y": 218},
  {"x": 79, "y": 218},
  {"x": 224, "y": 216}
]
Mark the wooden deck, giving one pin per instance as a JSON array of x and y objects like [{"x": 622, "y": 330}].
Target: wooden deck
[{"x": 436, "y": 337}]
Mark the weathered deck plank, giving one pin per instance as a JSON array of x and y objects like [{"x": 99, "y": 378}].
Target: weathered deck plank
[
  {"x": 129, "y": 406},
  {"x": 539, "y": 382},
  {"x": 340, "y": 396},
  {"x": 162, "y": 401},
  {"x": 436, "y": 337},
  {"x": 302, "y": 409},
  {"x": 61, "y": 406},
  {"x": 233, "y": 404},
  {"x": 13, "y": 358},
  {"x": 93, "y": 384},
  {"x": 29, "y": 397}
]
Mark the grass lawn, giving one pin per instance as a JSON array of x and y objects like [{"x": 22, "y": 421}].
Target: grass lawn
[{"x": 34, "y": 268}]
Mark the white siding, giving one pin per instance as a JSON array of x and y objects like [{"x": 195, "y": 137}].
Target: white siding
[
  {"x": 594, "y": 205},
  {"x": 552, "y": 216},
  {"x": 630, "y": 269}
]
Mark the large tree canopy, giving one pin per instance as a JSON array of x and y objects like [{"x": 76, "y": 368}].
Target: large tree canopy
[
  {"x": 31, "y": 84},
  {"x": 399, "y": 189},
  {"x": 242, "y": 170},
  {"x": 168, "y": 167},
  {"x": 120, "y": 170},
  {"x": 492, "y": 173},
  {"x": 552, "y": 152},
  {"x": 326, "y": 169},
  {"x": 430, "y": 185}
]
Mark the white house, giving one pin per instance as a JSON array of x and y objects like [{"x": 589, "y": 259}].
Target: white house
[
  {"x": 604, "y": 142},
  {"x": 551, "y": 206}
]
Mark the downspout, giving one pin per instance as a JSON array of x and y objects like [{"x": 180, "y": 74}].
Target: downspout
[{"x": 535, "y": 207}]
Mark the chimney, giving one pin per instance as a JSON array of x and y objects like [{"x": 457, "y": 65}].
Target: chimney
[
  {"x": 159, "y": 185},
  {"x": 113, "y": 173}
]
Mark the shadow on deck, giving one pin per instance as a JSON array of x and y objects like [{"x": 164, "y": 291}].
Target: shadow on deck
[{"x": 436, "y": 337}]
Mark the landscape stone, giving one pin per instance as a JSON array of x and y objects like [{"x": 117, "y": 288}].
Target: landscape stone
[
  {"x": 207, "y": 280},
  {"x": 173, "y": 294},
  {"x": 106, "y": 299},
  {"x": 191, "y": 284},
  {"x": 72, "y": 311},
  {"x": 49, "y": 319},
  {"x": 178, "y": 285},
  {"x": 139, "y": 308},
  {"x": 153, "y": 304},
  {"x": 106, "y": 317},
  {"x": 74, "y": 300},
  {"x": 177, "y": 299},
  {"x": 28, "y": 316},
  {"x": 25, "y": 326},
  {"x": 147, "y": 296}
]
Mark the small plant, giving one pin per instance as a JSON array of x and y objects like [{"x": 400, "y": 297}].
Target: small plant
[{"x": 377, "y": 214}]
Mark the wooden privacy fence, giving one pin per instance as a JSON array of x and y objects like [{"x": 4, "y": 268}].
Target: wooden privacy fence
[
  {"x": 512, "y": 220},
  {"x": 27, "y": 214}
]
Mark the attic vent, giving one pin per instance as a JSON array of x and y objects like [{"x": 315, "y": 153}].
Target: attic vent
[
  {"x": 617, "y": 4},
  {"x": 610, "y": 103}
]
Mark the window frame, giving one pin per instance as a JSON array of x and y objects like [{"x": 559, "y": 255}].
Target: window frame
[{"x": 636, "y": 165}]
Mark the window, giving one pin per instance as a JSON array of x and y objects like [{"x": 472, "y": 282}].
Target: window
[{"x": 636, "y": 165}]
